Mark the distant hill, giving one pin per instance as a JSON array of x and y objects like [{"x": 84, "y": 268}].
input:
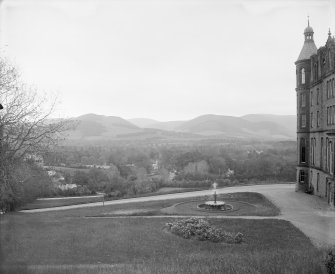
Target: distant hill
[
  {"x": 93, "y": 127},
  {"x": 288, "y": 122},
  {"x": 170, "y": 125},
  {"x": 150, "y": 123},
  {"x": 230, "y": 126},
  {"x": 143, "y": 122}
]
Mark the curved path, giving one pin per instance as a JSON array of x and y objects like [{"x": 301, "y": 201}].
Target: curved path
[{"x": 309, "y": 213}]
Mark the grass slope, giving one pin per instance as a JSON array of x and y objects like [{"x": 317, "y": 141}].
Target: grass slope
[
  {"x": 54, "y": 243},
  {"x": 262, "y": 206}
]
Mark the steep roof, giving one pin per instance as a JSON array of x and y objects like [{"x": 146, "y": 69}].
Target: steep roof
[{"x": 309, "y": 48}]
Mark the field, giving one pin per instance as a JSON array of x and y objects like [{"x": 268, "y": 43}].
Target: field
[{"x": 68, "y": 242}]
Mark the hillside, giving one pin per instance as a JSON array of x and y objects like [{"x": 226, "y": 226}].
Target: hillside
[
  {"x": 143, "y": 122},
  {"x": 287, "y": 121},
  {"x": 230, "y": 126},
  {"x": 93, "y": 127},
  {"x": 170, "y": 125}
]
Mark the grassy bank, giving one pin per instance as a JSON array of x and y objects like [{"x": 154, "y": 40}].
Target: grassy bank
[{"x": 51, "y": 243}]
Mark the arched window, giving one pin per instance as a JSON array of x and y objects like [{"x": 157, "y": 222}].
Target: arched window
[{"x": 303, "y": 76}]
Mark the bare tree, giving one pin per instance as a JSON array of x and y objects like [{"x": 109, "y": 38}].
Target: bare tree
[{"x": 25, "y": 127}]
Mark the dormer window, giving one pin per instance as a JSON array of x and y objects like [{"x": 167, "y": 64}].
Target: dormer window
[{"x": 303, "y": 76}]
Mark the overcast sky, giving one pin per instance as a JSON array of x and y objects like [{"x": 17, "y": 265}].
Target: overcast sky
[{"x": 166, "y": 60}]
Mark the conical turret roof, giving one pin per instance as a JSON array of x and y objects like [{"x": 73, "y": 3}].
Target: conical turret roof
[{"x": 309, "y": 48}]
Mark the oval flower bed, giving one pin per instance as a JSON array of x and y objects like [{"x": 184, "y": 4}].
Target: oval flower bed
[{"x": 200, "y": 229}]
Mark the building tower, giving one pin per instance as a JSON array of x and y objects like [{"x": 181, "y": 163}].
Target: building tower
[{"x": 303, "y": 75}]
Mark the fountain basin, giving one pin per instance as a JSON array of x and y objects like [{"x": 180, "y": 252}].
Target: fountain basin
[{"x": 215, "y": 205}]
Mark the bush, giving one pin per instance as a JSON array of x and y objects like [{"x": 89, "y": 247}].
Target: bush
[
  {"x": 330, "y": 262},
  {"x": 113, "y": 194},
  {"x": 202, "y": 231}
]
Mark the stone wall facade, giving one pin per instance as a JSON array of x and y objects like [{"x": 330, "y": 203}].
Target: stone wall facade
[{"x": 315, "y": 89}]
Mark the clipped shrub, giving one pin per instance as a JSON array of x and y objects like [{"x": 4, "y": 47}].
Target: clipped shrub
[
  {"x": 202, "y": 231},
  {"x": 330, "y": 262}
]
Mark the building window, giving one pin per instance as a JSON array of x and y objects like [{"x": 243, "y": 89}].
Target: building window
[
  {"x": 317, "y": 96},
  {"x": 332, "y": 87},
  {"x": 302, "y": 99},
  {"x": 327, "y": 88},
  {"x": 331, "y": 158},
  {"x": 318, "y": 118},
  {"x": 327, "y": 155},
  {"x": 302, "y": 176},
  {"x": 302, "y": 150},
  {"x": 303, "y": 76},
  {"x": 312, "y": 152},
  {"x": 312, "y": 99},
  {"x": 312, "y": 125},
  {"x": 321, "y": 154},
  {"x": 313, "y": 149},
  {"x": 317, "y": 181},
  {"x": 303, "y": 120}
]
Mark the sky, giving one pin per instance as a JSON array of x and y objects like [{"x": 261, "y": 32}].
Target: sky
[{"x": 165, "y": 60}]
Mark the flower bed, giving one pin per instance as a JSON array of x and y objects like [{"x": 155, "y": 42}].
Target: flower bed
[{"x": 200, "y": 229}]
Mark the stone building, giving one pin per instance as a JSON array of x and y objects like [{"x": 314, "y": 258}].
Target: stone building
[{"x": 315, "y": 88}]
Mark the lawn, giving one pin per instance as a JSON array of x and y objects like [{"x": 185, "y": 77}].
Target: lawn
[
  {"x": 260, "y": 206},
  {"x": 246, "y": 203},
  {"x": 61, "y": 202},
  {"x": 66, "y": 242},
  {"x": 65, "y": 201}
]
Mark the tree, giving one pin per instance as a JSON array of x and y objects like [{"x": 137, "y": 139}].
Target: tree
[{"x": 24, "y": 127}]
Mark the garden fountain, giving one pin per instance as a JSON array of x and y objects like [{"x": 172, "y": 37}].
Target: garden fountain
[{"x": 215, "y": 204}]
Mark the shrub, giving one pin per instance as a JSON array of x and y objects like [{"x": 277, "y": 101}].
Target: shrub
[
  {"x": 330, "y": 262},
  {"x": 202, "y": 231}
]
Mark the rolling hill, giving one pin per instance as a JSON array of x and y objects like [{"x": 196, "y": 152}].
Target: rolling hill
[
  {"x": 143, "y": 122},
  {"x": 230, "y": 126},
  {"x": 93, "y": 126},
  {"x": 260, "y": 126}
]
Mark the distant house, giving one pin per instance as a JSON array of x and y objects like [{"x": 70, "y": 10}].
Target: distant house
[
  {"x": 37, "y": 159},
  {"x": 67, "y": 186},
  {"x": 155, "y": 165},
  {"x": 229, "y": 173}
]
